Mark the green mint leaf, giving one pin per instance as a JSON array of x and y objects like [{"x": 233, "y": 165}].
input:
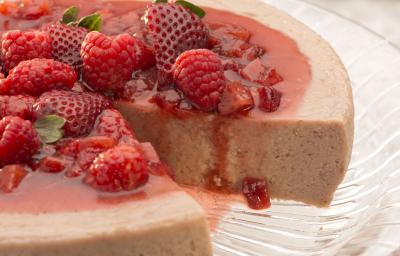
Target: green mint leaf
[
  {"x": 70, "y": 15},
  {"x": 49, "y": 128},
  {"x": 91, "y": 22},
  {"x": 194, "y": 8},
  {"x": 160, "y": 1}
]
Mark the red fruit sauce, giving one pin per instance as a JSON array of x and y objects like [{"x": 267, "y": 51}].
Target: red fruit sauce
[{"x": 44, "y": 192}]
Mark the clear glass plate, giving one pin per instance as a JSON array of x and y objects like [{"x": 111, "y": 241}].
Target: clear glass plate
[{"x": 362, "y": 219}]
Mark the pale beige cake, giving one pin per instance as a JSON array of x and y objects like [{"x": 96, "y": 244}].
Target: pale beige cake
[
  {"x": 171, "y": 224},
  {"x": 304, "y": 157}
]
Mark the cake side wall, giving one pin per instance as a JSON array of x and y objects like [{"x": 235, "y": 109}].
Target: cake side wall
[{"x": 167, "y": 225}]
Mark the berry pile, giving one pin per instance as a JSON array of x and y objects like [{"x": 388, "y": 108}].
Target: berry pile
[
  {"x": 56, "y": 112},
  {"x": 50, "y": 122}
]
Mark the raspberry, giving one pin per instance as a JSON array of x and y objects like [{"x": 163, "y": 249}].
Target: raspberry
[
  {"x": 37, "y": 76},
  {"x": 235, "y": 99},
  {"x": 120, "y": 168},
  {"x": 18, "y": 46},
  {"x": 144, "y": 56},
  {"x": 108, "y": 62},
  {"x": 111, "y": 123},
  {"x": 79, "y": 109},
  {"x": 270, "y": 99},
  {"x": 66, "y": 41},
  {"x": 18, "y": 140},
  {"x": 256, "y": 193},
  {"x": 19, "y": 105},
  {"x": 11, "y": 176},
  {"x": 200, "y": 76},
  {"x": 173, "y": 29}
]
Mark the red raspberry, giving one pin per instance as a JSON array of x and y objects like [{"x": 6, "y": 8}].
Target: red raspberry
[
  {"x": 120, "y": 168},
  {"x": 235, "y": 99},
  {"x": 108, "y": 62},
  {"x": 18, "y": 46},
  {"x": 11, "y": 176},
  {"x": 37, "y": 76},
  {"x": 144, "y": 56},
  {"x": 19, "y": 105},
  {"x": 18, "y": 140},
  {"x": 67, "y": 41},
  {"x": 270, "y": 99},
  {"x": 256, "y": 193},
  {"x": 111, "y": 123},
  {"x": 173, "y": 29},
  {"x": 200, "y": 76},
  {"x": 79, "y": 109}
]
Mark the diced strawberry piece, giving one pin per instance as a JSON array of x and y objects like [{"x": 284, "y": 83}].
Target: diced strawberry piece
[
  {"x": 11, "y": 176},
  {"x": 229, "y": 40},
  {"x": 257, "y": 72},
  {"x": 235, "y": 99},
  {"x": 270, "y": 99},
  {"x": 253, "y": 53},
  {"x": 54, "y": 164},
  {"x": 256, "y": 193}
]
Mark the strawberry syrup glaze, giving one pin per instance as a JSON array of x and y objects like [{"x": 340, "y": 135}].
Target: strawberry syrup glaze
[{"x": 41, "y": 192}]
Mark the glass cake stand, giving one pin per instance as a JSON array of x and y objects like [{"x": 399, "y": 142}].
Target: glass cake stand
[{"x": 363, "y": 218}]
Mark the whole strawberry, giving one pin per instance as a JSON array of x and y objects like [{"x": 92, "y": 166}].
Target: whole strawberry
[
  {"x": 112, "y": 124},
  {"x": 18, "y": 46},
  {"x": 79, "y": 109},
  {"x": 174, "y": 29},
  {"x": 120, "y": 168},
  {"x": 200, "y": 76},
  {"x": 18, "y": 140},
  {"x": 19, "y": 105},
  {"x": 36, "y": 76},
  {"x": 67, "y": 41},
  {"x": 108, "y": 62}
]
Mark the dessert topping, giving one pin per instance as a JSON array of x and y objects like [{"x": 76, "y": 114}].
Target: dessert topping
[
  {"x": 200, "y": 76},
  {"x": 36, "y": 76},
  {"x": 174, "y": 28},
  {"x": 256, "y": 193},
  {"x": 270, "y": 99},
  {"x": 108, "y": 62},
  {"x": 120, "y": 168},
  {"x": 79, "y": 109},
  {"x": 18, "y": 46},
  {"x": 11, "y": 176},
  {"x": 19, "y": 105},
  {"x": 19, "y": 141},
  {"x": 68, "y": 34},
  {"x": 236, "y": 98},
  {"x": 257, "y": 72}
]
